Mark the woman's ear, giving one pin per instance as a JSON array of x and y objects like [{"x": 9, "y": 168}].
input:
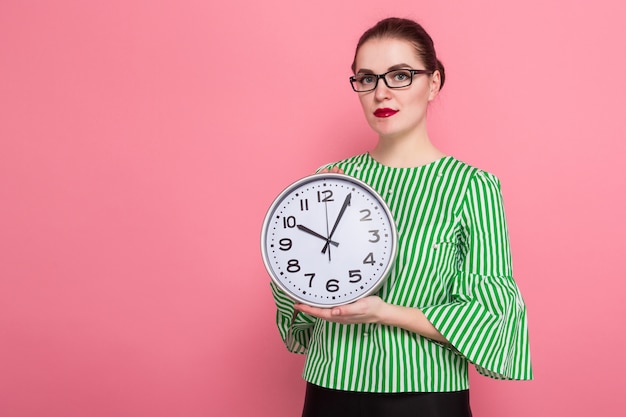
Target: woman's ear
[{"x": 435, "y": 85}]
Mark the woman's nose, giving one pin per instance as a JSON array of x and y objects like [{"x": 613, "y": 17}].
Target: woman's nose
[{"x": 382, "y": 92}]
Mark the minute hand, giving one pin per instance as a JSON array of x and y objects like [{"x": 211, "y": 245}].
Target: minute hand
[{"x": 346, "y": 203}]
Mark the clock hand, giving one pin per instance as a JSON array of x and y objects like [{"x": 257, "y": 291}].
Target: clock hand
[
  {"x": 327, "y": 239},
  {"x": 309, "y": 231},
  {"x": 346, "y": 203}
]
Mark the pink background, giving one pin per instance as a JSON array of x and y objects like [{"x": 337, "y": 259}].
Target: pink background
[{"x": 141, "y": 143}]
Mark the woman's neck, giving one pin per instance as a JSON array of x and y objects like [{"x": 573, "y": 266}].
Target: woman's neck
[{"x": 406, "y": 152}]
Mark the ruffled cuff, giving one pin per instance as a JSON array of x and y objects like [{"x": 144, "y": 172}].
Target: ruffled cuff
[{"x": 488, "y": 326}]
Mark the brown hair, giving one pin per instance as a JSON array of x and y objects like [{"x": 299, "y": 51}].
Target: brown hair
[{"x": 407, "y": 30}]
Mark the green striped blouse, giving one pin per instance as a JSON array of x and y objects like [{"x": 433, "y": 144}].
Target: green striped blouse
[{"x": 453, "y": 263}]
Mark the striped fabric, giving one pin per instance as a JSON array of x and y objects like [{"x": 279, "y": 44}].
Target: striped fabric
[{"x": 453, "y": 263}]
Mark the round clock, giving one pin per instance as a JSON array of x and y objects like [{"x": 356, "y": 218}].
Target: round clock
[{"x": 328, "y": 239}]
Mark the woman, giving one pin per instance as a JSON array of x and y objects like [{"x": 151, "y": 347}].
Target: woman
[{"x": 450, "y": 299}]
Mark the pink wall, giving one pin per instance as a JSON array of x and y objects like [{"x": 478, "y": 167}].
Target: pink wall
[{"x": 141, "y": 143}]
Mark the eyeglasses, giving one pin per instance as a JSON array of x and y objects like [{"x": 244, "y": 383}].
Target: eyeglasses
[{"x": 393, "y": 79}]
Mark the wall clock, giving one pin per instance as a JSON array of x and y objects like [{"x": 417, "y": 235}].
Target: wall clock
[{"x": 328, "y": 239}]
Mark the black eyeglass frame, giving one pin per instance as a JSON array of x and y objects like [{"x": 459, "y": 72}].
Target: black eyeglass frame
[{"x": 383, "y": 76}]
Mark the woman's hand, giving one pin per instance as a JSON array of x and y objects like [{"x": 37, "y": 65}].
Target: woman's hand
[
  {"x": 334, "y": 169},
  {"x": 373, "y": 309},
  {"x": 366, "y": 310}
]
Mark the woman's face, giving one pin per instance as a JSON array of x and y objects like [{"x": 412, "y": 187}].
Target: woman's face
[{"x": 398, "y": 112}]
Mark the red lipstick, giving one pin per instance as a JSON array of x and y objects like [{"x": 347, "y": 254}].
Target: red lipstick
[{"x": 385, "y": 112}]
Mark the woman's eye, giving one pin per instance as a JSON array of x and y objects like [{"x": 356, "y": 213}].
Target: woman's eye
[
  {"x": 401, "y": 76},
  {"x": 366, "y": 79}
]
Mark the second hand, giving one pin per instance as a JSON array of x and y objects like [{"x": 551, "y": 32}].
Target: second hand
[{"x": 327, "y": 229}]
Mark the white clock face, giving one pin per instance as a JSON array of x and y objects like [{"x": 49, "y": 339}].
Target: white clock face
[{"x": 328, "y": 239}]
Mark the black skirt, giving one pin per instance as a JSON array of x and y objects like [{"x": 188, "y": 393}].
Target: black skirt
[{"x": 324, "y": 402}]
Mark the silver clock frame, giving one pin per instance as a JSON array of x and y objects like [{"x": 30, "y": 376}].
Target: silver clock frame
[{"x": 316, "y": 178}]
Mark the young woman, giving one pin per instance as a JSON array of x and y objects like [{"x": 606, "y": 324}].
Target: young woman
[{"x": 450, "y": 299}]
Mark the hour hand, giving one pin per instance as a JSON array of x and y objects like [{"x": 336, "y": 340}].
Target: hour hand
[{"x": 314, "y": 233}]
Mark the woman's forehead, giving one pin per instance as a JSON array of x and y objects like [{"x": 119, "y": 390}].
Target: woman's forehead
[{"x": 381, "y": 54}]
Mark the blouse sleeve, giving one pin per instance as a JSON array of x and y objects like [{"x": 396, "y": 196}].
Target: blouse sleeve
[
  {"x": 485, "y": 321},
  {"x": 295, "y": 328}
]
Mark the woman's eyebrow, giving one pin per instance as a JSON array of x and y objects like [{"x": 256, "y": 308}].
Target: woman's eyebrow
[
  {"x": 399, "y": 66},
  {"x": 391, "y": 68}
]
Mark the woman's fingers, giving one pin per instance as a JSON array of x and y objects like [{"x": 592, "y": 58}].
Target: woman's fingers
[{"x": 334, "y": 169}]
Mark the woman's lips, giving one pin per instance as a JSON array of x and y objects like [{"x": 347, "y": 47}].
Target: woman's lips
[{"x": 385, "y": 112}]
